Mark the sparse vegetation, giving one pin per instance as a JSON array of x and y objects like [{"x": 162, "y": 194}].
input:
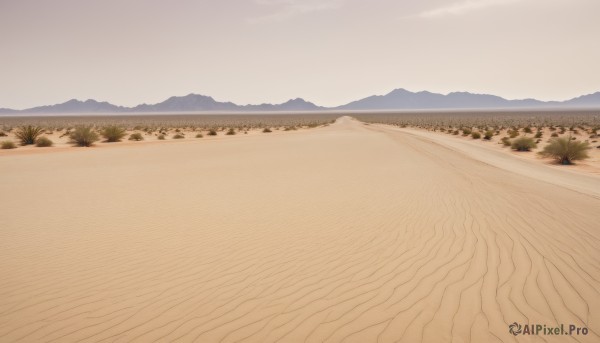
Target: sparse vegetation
[
  {"x": 43, "y": 142},
  {"x": 179, "y": 136},
  {"x": 28, "y": 134},
  {"x": 83, "y": 136},
  {"x": 505, "y": 141},
  {"x": 230, "y": 132},
  {"x": 488, "y": 135},
  {"x": 266, "y": 130},
  {"x": 475, "y": 135},
  {"x": 212, "y": 133},
  {"x": 199, "y": 135},
  {"x": 113, "y": 133},
  {"x": 136, "y": 136},
  {"x": 8, "y": 145},
  {"x": 161, "y": 137},
  {"x": 523, "y": 144},
  {"x": 565, "y": 150}
]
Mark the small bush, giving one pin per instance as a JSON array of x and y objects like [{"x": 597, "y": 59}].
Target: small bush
[
  {"x": 475, "y": 135},
  {"x": 565, "y": 150},
  {"x": 466, "y": 131},
  {"x": 113, "y": 133},
  {"x": 136, "y": 136},
  {"x": 179, "y": 136},
  {"x": 28, "y": 134},
  {"x": 538, "y": 134},
  {"x": 266, "y": 130},
  {"x": 43, "y": 142},
  {"x": 230, "y": 132},
  {"x": 554, "y": 134},
  {"x": 513, "y": 133},
  {"x": 488, "y": 135},
  {"x": 455, "y": 132},
  {"x": 83, "y": 136},
  {"x": 505, "y": 141},
  {"x": 199, "y": 135},
  {"x": 8, "y": 145},
  {"x": 527, "y": 130},
  {"x": 523, "y": 144},
  {"x": 161, "y": 137},
  {"x": 212, "y": 133},
  {"x": 2, "y": 134}
]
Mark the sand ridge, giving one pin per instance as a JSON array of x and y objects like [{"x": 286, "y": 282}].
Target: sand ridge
[{"x": 347, "y": 233}]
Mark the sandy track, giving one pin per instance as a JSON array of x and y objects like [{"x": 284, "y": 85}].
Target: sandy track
[{"x": 346, "y": 233}]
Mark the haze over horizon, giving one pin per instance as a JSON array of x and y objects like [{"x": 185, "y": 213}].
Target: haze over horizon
[{"x": 329, "y": 52}]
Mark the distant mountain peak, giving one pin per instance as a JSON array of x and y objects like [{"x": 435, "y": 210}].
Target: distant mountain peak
[{"x": 397, "y": 99}]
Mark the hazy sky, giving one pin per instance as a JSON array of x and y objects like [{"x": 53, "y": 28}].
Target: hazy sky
[{"x": 329, "y": 51}]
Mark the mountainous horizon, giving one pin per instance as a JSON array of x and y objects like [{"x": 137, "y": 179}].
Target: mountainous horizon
[{"x": 398, "y": 99}]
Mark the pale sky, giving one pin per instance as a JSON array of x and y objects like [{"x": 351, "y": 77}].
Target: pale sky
[{"x": 329, "y": 52}]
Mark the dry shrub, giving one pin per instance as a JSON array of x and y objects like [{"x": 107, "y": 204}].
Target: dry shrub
[
  {"x": 113, "y": 133},
  {"x": 565, "y": 150},
  {"x": 8, "y": 145},
  {"x": 28, "y": 134},
  {"x": 43, "y": 142},
  {"x": 83, "y": 136},
  {"x": 523, "y": 144},
  {"x": 136, "y": 136}
]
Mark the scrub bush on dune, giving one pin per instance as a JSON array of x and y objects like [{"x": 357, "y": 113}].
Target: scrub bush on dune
[
  {"x": 43, "y": 142},
  {"x": 523, "y": 144},
  {"x": 83, "y": 136},
  {"x": 136, "y": 137},
  {"x": 565, "y": 150},
  {"x": 28, "y": 134},
  {"x": 7, "y": 145},
  {"x": 113, "y": 133}
]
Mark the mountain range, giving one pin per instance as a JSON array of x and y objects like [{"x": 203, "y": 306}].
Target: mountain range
[{"x": 398, "y": 99}]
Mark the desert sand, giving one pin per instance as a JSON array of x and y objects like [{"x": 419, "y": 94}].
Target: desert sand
[{"x": 346, "y": 233}]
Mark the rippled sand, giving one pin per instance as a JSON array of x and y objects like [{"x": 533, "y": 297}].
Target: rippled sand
[{"x": 346, "y": 233}]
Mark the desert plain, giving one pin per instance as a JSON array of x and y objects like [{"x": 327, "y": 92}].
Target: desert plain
[{"x": 344, "y": 232}]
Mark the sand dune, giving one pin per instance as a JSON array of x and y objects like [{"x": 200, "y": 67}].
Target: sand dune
[{"x": 348, "y": 233}]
